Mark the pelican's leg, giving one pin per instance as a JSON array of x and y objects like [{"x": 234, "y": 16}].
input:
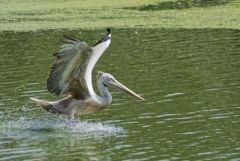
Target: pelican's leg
[{"x": 72, "y": 113}]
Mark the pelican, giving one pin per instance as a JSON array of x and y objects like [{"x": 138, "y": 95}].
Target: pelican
[{"x": 71, "y": 74}]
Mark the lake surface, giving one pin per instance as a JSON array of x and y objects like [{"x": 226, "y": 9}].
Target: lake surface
[{"x": 190, "y": 79}]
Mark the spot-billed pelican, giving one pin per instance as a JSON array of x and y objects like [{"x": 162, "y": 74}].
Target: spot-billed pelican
[{"x": 71, "y": 74}]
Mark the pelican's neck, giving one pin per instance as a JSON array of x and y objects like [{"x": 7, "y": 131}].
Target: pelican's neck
[{"x": 105, "y": 94}]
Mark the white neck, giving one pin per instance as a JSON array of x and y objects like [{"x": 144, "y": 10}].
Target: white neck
[{"x": 105, "y": 94}]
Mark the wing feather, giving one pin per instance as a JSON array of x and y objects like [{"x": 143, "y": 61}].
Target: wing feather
[
  {"x": 65, "y": 71},
  {"x": 72, "y": 70}
]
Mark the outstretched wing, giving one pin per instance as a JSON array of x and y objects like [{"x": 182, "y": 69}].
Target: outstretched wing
[
  {"x": 72, "y": 71},
  {"x": 65, "y": 72}
]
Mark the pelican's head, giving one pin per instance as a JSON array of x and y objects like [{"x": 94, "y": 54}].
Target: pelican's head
[{"x": 108, "y": 79}]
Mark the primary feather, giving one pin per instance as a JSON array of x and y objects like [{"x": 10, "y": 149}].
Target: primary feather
[
  {"x": 65, "y": 72},
  {"x": 71, "y": 73}
]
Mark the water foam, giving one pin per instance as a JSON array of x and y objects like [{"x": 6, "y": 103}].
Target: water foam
[{"x": 25, "y": 126}]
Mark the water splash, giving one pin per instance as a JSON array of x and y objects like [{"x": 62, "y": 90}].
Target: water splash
[{"x": 27, "y": 126}]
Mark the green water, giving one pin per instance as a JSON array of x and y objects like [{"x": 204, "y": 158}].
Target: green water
[
  {"x": 33, "y": 15},
  {"x": 190, "y": 79}
]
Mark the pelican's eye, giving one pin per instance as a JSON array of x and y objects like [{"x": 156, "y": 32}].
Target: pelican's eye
[{"x": 109, "y": 79}]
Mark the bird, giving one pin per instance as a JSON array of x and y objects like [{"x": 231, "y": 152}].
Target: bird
[{"x": 71, "y": 75}]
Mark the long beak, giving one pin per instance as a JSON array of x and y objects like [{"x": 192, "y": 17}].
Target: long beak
[{"x": 120, "y": 86}]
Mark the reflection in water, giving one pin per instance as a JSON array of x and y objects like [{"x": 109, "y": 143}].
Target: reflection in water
[{"x": 190, "y": 79}]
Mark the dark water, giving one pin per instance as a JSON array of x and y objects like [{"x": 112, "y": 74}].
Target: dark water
[
  {"x": 179, "y": 4},
  {"x": 189, "y": 78}
]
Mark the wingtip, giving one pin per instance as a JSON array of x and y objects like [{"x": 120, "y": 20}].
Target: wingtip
[
  {"x": 70, "y": 37},
  {"x": 108, "y": 31}
]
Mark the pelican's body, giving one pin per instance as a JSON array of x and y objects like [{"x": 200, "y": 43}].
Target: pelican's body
[{"x": 71, "y": 74}]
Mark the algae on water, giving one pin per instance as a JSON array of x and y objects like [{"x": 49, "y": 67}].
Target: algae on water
[{"x": 35, "y": 15}]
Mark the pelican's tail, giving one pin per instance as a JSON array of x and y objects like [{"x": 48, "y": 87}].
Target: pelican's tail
[
  {"x": 46, "y": 106},
  {"x": 42, "y": 103}
]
